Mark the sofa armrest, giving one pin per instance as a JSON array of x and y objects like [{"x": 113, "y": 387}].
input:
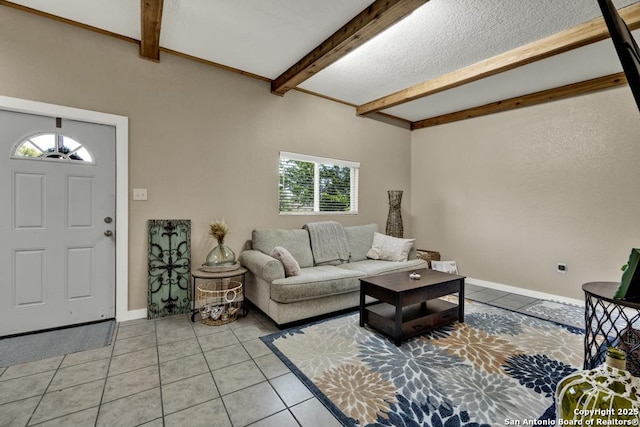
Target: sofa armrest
[{"x": 262, "y": 265}]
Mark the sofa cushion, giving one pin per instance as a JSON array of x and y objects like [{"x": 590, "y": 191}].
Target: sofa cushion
[
  {"x": 295, "y": 241},
  {"x": 360, "y": 239},
  {"x": 315, "y": 282},
  {"x": 371, "y": 267},
  {"x": 291, "y": 266},
  {"x": 390, "y": 248}
]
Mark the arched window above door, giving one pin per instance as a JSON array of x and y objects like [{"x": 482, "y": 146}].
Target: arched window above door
[{"x": 52, "y": 146}]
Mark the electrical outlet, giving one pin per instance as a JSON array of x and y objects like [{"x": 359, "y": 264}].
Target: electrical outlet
[
  {"x": 562, "y": 268},
  {"x": 139, "y": 194}
]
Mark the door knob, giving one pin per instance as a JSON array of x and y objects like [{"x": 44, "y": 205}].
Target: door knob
[
  {"x": 108, "y": 233},
  {"x": 108, "y": 219}
]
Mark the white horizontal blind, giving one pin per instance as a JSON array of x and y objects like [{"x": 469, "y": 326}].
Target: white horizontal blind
[{"x": 311, "y": 184}]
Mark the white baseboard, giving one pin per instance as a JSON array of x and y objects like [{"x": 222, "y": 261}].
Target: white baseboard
[
  {"x": 132, "y": 315},
  {"x": 522, "y": 291},
  {"x": 142, "y": 313}
]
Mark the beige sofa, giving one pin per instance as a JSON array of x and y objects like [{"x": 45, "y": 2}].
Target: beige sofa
[{"x": 318, "y": 289}]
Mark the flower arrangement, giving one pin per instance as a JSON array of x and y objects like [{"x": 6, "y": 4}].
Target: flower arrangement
[{"x": 218, "y": 229}]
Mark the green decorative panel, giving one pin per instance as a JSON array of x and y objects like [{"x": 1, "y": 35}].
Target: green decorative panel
[{"x": 169, "y": 267}]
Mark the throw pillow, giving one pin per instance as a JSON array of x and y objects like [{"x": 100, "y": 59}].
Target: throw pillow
[
  {"x": 390, "y": 248},
  {"x": 291, "y": 266}
]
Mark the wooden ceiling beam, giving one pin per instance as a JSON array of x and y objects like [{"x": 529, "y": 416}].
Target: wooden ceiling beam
[
  {"x": 566, "y": 91},
  {"x": 151, "y": 21},
  {"x": 376, "y": 18},
  {"x": 572, "y": 38}
]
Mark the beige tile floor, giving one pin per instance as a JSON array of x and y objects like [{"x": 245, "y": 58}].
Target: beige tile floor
[
  {"x": 167, "y": 372},
  {"x": 171, "y": 372}
]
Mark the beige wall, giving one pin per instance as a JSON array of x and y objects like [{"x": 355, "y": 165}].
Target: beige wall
[
  {"x": 203, "y": 141},
  {"x": 507, "y": 196},
  {"x": 510, "y": 195}
]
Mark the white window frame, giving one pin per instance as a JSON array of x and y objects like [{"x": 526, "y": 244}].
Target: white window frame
[
  {"x": 49, "y": 156},
  {"x": 317, "y": 161}
]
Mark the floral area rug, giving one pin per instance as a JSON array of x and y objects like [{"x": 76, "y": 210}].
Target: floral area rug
[{"x": 498, "y": 366}]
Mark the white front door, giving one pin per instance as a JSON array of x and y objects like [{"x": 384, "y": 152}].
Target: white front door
[{"x": 57, "y": 222}]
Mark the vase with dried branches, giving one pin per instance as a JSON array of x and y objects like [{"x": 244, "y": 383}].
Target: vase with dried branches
[{"x": 221, "y": 255}]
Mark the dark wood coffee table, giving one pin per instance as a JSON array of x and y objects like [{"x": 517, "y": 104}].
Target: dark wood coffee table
[{"x": 407, "y": 307}]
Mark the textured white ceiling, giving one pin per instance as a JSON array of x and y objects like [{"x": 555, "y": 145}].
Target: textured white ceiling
[
  {"x": 263, "y": 37},
  {"x": 118, "y": 16},
  {"x": 596, "y": 60},
  {"x": 266, "y": 37},
  {"x": 443, "y": 36}
]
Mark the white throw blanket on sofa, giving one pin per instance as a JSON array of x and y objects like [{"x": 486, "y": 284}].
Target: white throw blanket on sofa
[{"x": 328, "y": 242}]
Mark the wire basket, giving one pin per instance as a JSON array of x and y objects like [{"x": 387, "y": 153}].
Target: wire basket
[{"x": 219, "y": 301}]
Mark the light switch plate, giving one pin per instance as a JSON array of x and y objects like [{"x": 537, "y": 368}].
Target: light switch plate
[{"x": 139, "y": 194}]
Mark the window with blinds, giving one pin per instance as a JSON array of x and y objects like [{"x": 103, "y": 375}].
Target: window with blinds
[{"x": 311, "y": 185}]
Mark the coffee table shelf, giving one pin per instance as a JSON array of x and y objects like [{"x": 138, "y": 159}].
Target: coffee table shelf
[{"x": 416, "y": 319}]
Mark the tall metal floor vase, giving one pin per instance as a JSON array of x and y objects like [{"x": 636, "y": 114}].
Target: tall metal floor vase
[{"x": 394, "y": 220}]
